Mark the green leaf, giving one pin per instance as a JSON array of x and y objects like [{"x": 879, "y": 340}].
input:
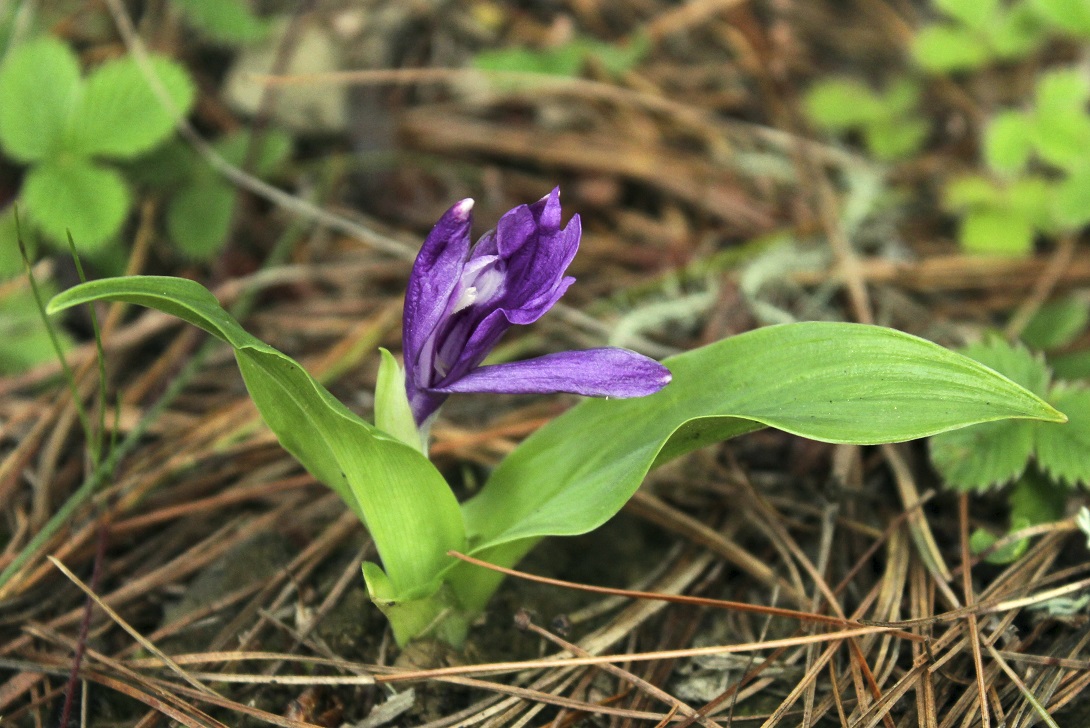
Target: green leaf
[
  {"x": 393, "y": 414},
  {"x": 1072, "y": 16},
  {"x": 1057, "y": 323},
  {"x": 1062, "y": 449},
  {"x": 1029, "y": 197},
  {"x": 1071, "y": 204},
  {"x": 975, "y": 14},
  {"x": 407, "y": 506},
  {"x": 273, "y": 151},
  {"x": 1008, "y": 142},
  {"x": 226, "y": 21},
  {"x": 199, "y": 217},
  {"x": 896, "y": 139},
  {"x": 901, "y": 98},
  {"x": 1075, "y": 365},
  {"x": 966, "y": 193},
  {"x": 1035, "y": 500},
  {"x": 566, "y": 59},
  {"x": 826, "y": 381},
  {"x": 121, "y": 115},
  {"x": 76, "y": 195},
  {"x": 986, "y": 455},
  {"x": 838, "y": 105},
  {"x": 24, "y": 341},
  {"x": 996, "y": 232},
  {"x": 1062, "y": 137},
  {"x": 39, "y": 86},
  {"x": 947, "y": 48},
  {"x": 1015, "y": 33},
  {"x": 1065, "y": 89}
]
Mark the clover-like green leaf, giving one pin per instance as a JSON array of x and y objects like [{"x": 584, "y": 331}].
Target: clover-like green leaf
[
  {"x": 996, "y": 232},
  {"x": 1072, "y": 16},
  {"x": 972, "y": 191},
  {"x": 948, "y": 48},
  {"x": 840, "y": 104},
  {"x": 1071, "y": 204},
  {"x": 895, "y": 139},
  {"x": 1015, "y": 32},
  {"x": 74, "y": 194},
  {"x": 39, "y": 85},
  {"x": 120, "y": 115},
  {"x": 1062, "y": 450},
  {"x": 975, "y": 14},
  {"x": 1008, "y": 142}
]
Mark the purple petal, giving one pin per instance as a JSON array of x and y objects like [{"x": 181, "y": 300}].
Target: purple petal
[
  {"x": 609, "y": 372},
  {"x": 435, "y": 274}
]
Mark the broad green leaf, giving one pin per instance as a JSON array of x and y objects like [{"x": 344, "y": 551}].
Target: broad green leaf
[
  {"x": 199, "y": 217},
  {"x": 946, "y": 48},
  {"x": 826, "y": 381},
  {"x": 1072, "y": 16},
  {"x": 1064, "y": 452},
  {"x": 840, "y": 104},
  {"x": 1057, "y": 323},
  {"x": 1008, "y": 142},
  {"x": 975, "y": 14},
  {"x": 965, "y": 193},
  {"x": 121, "y": 115},
  {"x": 73, "y": 194},
  {"x": 227, "y": 21},
  {"x": 404, "y": 501},
  {"x": 996, "y": 232},
  {"x": 896, "y": 139},
  {"x": 986, "y": 455},
  {"x": 39, "y": 86}
]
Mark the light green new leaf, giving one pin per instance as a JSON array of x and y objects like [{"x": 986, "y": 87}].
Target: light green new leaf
[
  {"x": 393, "y": 488},
  {"x": 946, "y": 48},
  {"x": 1064, "y": 452},
  {"x": 996, "y": 232},
  {"x": 73, "y": 194},
  {"x": 965, "y": 193},
  {"x": 39, "y": 85},
  {"x": 1062, "y": 137},
  {"x": 840, "y": 104},
  {"x": 121, "y": 115},
  {"x": 827, "y": 381},
  {"x": 895, "y": 139},
  {"x": 1071, "y": 204},
  {"x": 1008, "y": 142},
  {"x": 1072, "y": 16},
  {"x": 975, "y": 14}
]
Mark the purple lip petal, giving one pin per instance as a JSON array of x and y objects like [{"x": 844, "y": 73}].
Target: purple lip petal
[
  {"x": 608, "y": 372},
  {"x": 462, "y": 299}
]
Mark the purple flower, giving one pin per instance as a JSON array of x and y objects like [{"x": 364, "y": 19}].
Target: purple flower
[{"x": 462, "y": 298}]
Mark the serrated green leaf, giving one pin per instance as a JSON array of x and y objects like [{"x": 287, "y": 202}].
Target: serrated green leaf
[
  {"x": 975, "y": 14},
  {"x": 199, "y": 218},
  {"x": 39, "y": 85},
  {"x": 392, "y": 487},
  {"x": 121, "y": 116},
  {"x": 826, "y": 381},
  {"x": 76, "y": 195},
  {"x": 896, "y": 139},
  {"x": 1071, "y": 203},
  {"x": 1062, "y": 450},
  {"x": 1072, "y": 16},
  {"x": 1008, "y": 142},
  {"x": 991, "y": 454},
  {"x": 947, "y": 48},
  {"x": 838, "y": 105},
  {"x": 996, "y": 232},
  {"x": 966, "y": 193},
  {"x": 226, "y": 21},
  {"x": 1057, "y": 323}
]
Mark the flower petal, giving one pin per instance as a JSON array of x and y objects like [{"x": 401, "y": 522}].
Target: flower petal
[
  {"x": 436, "y": 272},
  {"x": 609, "y": 372}
]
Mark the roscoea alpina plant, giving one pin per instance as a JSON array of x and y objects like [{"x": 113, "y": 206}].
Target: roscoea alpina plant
[{"x": 834, "y": 382}]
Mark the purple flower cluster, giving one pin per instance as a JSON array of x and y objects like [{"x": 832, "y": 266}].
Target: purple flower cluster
[{"x": 462, "y": 298}]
